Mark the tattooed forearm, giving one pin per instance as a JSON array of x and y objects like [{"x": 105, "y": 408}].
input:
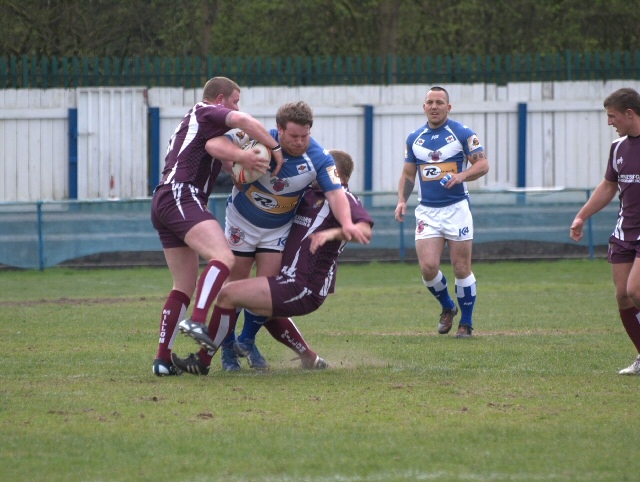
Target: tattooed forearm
[{"x": 406, "y": 188}]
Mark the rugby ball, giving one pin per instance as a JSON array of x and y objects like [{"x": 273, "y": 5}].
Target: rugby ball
[{"x": 247, "y": 176}]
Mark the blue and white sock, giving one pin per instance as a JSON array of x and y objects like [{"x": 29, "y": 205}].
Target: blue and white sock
[
  {"x": 438, "y": 288},
  {"x": 466, "y": 293}
]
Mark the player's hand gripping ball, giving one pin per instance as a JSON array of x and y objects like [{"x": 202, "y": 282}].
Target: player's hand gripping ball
[{"x": 247, "y": 176}]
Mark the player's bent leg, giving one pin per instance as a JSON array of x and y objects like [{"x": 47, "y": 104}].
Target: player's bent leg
[
  {"x": 207, "y": 239},
  {"x": 253, "y": 294},
  {"x": 286, "y": 332}
]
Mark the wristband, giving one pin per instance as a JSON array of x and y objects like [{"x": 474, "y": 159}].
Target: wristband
[{"x": 275, "y": 149}]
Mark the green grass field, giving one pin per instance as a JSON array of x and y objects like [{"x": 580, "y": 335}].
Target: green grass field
[{"x": 533, "y": 396}]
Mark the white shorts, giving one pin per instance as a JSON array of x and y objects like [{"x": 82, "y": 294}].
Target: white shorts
[
  {"x": 452, "y": 222},
  {"x": 243, "y": 236}
]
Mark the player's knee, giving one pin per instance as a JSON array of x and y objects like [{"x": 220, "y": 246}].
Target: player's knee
[
  {"x": 226, "y": 258},
  {"x": 634, "y": 296}
]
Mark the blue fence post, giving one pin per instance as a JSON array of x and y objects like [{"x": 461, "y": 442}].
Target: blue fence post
[
  {"x": 522, "y": 150},
  {"x": 368, "y": 152},
  {"x": 590, "y": 232},
  {"x": 73, "y": 153},
  {"x": 522, "y": 144},
  {"x": 154, "y": 139},
  {"x": 402, "y": 244},
  {"x": 40, "y": 237}
]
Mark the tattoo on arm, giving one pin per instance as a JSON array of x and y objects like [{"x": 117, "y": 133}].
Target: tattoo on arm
[
  {"x": 477, "y": 157},
  {"x": 407, "y": 188}
]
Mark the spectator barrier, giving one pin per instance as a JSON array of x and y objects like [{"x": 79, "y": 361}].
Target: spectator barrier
[{"x": 518, "y": 223}]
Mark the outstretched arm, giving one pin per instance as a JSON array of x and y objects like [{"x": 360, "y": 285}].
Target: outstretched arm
[{"x": 602, "y": 195}]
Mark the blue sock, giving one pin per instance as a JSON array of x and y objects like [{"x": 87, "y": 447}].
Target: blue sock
[
  {"x": 252, "y": 324},
  {"x": 466, "y": 293},
  {"x": 438, "y": 288}
]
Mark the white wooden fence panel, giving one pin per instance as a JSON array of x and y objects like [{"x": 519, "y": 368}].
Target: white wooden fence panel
[
  {"x": 112, "y": 143},
  {"x": 34, "y": 151}
]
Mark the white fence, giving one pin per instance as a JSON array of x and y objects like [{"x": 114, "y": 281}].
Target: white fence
[{"x": 567, "y": 137}]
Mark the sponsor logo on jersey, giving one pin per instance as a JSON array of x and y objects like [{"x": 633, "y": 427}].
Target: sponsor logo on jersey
[
  {"x": 270, "y": 202},
  {"x": 435, "y": 172},
  {"x": 463, "y": 231},
  {"x": 302, "y": 168},
  {"x": 450, "y": 139},
  {"x": 435, "y": 136},
  {"x": 629, "y": 178},
  {"x": 302, "y": 220},
  {"x": 236, "y": 236},
  {"x": 419, "y": 141},
  {"x": 619, "y": 160}
]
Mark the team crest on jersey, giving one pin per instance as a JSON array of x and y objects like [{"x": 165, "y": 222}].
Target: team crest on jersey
[
  {"x": 450, "y": 139},
  {"x": 435, "y": 155},
  {"x": 419, "y": 142},
  {"x": 473, "y": 142},
  {"x": 236, "y": 236},
  {"x": 279, "y": 184},
  {"x": 302, "y": 168}
]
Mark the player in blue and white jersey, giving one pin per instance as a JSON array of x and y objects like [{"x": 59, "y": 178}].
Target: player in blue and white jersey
[
  {"x": 259, "y": 216},
  {"x": 445, "y": 155}
]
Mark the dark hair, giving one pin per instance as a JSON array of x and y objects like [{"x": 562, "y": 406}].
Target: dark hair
[
  {"x": 623, "y": 99},
  {"x": 344, "y": 164},
  {"x": 297, "y": 112},
  {"x": 219, "y": 85},
  {"x": 437, "y": 88}
]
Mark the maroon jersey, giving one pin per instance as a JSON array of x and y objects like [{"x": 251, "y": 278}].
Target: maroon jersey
[
  {"x": 187, "y": 160},
  {"x": 306, "y": 279},
  {"x": 623, "y": 167}
]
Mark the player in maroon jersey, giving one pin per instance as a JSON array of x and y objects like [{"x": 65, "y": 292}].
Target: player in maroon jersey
[
  {"x": 622, "y": 176},
  {"x": 187, "y": 229},
  {"x": 307, "y": 276}
]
